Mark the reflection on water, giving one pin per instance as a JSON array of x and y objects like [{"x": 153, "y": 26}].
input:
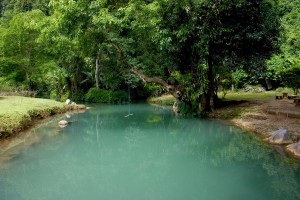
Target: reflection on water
[{"x": 151, "y": 154}]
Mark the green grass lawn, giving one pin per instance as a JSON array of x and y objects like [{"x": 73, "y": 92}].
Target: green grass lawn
[
  {"x": 17, "y": 113},
  {"x": 237, "y": 96},
  {"x": 251, "y": 95}
]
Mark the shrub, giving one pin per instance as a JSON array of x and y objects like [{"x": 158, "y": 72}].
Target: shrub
[
  {"x": 291, "y": 77},
  {"x": 96, "y": 95},
  {"x": 119, "y": 96}
]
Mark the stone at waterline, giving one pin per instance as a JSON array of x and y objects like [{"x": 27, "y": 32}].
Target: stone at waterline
[
  {"x": 63, "y": 123},
  {"x": 294, "y": 149},
  {"x": 281, "y": 136}
]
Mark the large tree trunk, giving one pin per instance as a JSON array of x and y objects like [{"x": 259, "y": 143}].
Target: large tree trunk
[
  {"x": 210, "y": 95},
  {"x": 178, "y": 91}
]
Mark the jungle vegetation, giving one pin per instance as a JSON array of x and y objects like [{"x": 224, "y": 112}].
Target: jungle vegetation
[{"x": 107, "y": 50}]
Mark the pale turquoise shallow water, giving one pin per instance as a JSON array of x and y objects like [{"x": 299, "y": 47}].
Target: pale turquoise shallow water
[{"x": 151, "y": 154}]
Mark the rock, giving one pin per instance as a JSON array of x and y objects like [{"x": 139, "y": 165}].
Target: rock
[
  {"x": 248, "y": 88},
  {"x": 260, "y": 89},
  {"x": 281, "y": 136},
  {"x": 68, "y": 101},
  {"x": 294, "y": 149},
  {"x": 63, "y": 123},
  {"x": 68, "y": 116}
]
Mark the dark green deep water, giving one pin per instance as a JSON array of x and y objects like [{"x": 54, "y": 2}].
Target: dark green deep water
[{"x": 152, "y": 154}]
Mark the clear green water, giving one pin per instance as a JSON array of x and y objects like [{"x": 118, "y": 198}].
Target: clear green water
[{"x": 151, "y": 154}]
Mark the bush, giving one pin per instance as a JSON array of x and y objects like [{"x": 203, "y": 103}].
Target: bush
[
  {"x": 119, "y": 96},
  {"x": 240, "y": 78},
  {"x": 291, "y": 77},
  {"x": 95, "y": 95}
]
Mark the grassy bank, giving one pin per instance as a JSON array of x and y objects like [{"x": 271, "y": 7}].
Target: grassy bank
[
  {"x": 18, "y": 113},
  {"x": 230, "y": 106},
  {"x": 162, "y": 100}
]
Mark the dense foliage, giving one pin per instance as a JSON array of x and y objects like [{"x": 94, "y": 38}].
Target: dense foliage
[
  {"x": 193, "y": 49},
  {"x": 96, "y": 95}
]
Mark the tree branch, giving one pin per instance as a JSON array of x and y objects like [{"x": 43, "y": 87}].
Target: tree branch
[
  {"x": 174, "y": 90},
  {"x": 151, "y": 79}
]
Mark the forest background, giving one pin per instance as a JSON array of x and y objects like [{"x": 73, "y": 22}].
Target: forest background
[{"x": 105, "y": 51}]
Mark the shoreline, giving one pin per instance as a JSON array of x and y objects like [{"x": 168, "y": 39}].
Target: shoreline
[
  {"x": 12, "y": 145},
  {"x": 22, "y": 113},
  {"x": 258, "y": 117},
  {"x": 263, "y": 117}
]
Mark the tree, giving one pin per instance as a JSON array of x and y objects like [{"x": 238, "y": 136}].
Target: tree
[
  {"x": 289, "y": 46},
  {"x": 18, "y": 6},
  {"x": 291, "y": 77},
  {"x": 202, "y": 36},
  {"x": 19, "y": 42},
  {"x": 91, "y": 32},
  {"x": 182, "y": 45}
]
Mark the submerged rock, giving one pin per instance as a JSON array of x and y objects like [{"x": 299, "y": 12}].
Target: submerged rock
[
  {"x": 68, "y": 116},
  {"x": 281, "y": 136},
  {"x": 294, "y": 149}
]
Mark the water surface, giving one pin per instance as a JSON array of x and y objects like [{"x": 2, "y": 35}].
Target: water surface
[{"x": 142, "y": 152}]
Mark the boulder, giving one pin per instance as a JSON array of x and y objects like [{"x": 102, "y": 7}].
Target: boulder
[
  {"x": 281, "y": 136},
  {"x": 260, "y": 89},
  {"x": 294, "y": 149},
  {"x": 248, "y": 88},
  {"x": 68, "y": 101}
]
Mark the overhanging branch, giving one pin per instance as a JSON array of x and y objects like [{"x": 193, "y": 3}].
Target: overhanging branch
[
  {"x": 152, "y": 79},
  {"x": 174, "y": 90}
]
